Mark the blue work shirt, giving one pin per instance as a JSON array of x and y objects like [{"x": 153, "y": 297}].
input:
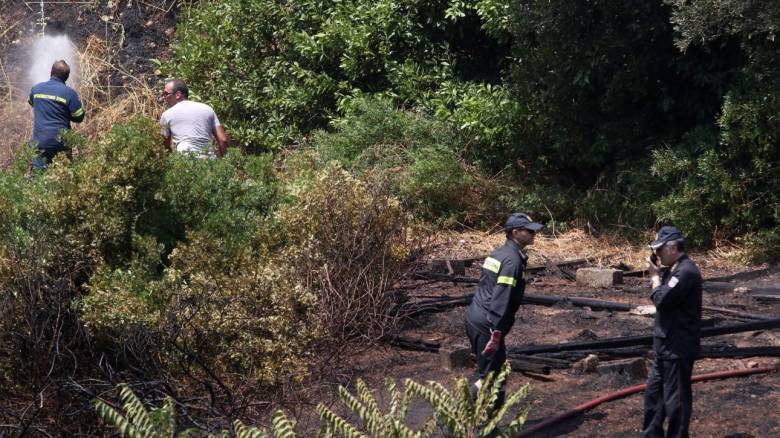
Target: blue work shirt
[{"x": 55, "y": 105}]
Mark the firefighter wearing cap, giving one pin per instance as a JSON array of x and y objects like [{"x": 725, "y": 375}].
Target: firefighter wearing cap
[
  {"x": 55, "y": 105},
  {"x": 677, "y": 295},
  {"x": 497, "y": 298}
]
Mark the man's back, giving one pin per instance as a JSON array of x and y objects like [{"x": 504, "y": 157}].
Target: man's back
[
  {"x": 55, "y": 105},
  {"x": 190, "y": 126}
]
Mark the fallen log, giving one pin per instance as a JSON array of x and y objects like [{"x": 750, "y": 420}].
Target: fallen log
[
  {"x": 565, "y": 263},
  {"x": 736, "y": 313},
  {"x": 630, "y": 341},
  {"x": 552, "y": 362},
  {"x": 765, "y": 293},
  {"x": 415, "y": 344},
  {"x": 707, "y": 351},
  {"x": 528, "y": 366},
  {"x": 447, "y": 302},
  {"x": 444, "y": 277},
  {"x": 765, "y": 297},
  {"x": 742, "y": 276},
  {"x": 549, "y": 300},
  {"x": 637, "y": 273},
  {"x": 520, "y": 364}
]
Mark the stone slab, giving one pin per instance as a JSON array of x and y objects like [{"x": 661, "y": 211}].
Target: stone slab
[{"x": 599, "y": 277}]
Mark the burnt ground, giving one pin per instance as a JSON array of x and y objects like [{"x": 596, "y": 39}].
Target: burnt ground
[
  {"x": 135, "y": 31},
  {"x": 737, "y": 407}
]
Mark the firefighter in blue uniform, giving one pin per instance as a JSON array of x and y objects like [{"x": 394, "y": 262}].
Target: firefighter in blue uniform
[
  {"x": 497, "y": 298},
  {"x": 55, "y": 105},
  {"x": 677, "y": 295}
]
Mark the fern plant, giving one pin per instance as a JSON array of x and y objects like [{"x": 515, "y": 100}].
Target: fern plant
[
  {"x": 377, "y": 424},
  {"x": 138, "y": 422},
  {"x": 458, "y": 415}
]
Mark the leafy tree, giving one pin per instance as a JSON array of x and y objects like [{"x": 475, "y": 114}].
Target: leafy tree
[
  {"x": 276, "y": 70},
  {"x": 604, "y": 83},
  {"x": 727, "y": 180}
]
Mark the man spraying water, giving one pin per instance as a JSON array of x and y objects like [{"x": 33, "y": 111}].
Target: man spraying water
[{"x": 55, "y": 105}]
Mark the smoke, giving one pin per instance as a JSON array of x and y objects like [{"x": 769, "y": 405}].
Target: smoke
[{"x": 45, "y": 51}]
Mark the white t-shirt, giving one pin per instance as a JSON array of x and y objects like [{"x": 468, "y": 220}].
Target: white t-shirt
[{"x": 190, "y": 126}]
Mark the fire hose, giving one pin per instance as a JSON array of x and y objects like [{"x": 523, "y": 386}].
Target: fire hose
[{"x": 633, "y": 390}]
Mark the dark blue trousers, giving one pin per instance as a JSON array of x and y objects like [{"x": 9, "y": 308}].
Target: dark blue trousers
[
  {"x": 668, "y": 395},
  {"x": 43, "y": 158}
]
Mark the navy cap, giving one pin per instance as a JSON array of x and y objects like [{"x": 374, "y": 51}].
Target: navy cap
[
  {"x": 522, "y": 220},
  {"x": 666, "y": 234}
]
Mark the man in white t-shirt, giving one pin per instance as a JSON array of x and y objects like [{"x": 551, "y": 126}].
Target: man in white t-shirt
[{"x": 188, "y": 126}]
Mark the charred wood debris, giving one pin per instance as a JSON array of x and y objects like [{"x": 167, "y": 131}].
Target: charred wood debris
[{"x": 540, "y": 359}]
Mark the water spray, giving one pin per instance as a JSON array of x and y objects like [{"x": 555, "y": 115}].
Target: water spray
[{"x": 47, "y": 48}]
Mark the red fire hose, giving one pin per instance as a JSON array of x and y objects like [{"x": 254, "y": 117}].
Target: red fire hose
[{"x": 633, "y": 390}]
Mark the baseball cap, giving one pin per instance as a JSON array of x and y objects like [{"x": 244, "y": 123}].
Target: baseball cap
[
  {"x": 522, "y": 220},
  {"x": 665, "y": 234}
]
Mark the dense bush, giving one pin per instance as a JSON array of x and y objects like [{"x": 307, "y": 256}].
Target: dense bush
[
  {"x": 566, "y": 101},
  {"x": 274, "y": 71},
  {"x": 347, "y": 245},
  {"x": 177, "y": 269},
  {"x": 725, "y": 179},
  {"x": 420, "y": 156}
]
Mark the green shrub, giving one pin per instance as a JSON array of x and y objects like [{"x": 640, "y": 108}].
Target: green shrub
[
  {"x": 244, "y": 315},
  {"x": 275, "y": 71},
  {"x": 419, "y": 155},
  {"x": 227, "y": 198},
  {"x": 61, "y": 226},
  {"x": 347, "y": 246}
]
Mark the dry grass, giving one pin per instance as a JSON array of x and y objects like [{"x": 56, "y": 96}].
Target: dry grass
[
  {"x": 106, "y": 104},
  {"x": 603, "y": 250}
]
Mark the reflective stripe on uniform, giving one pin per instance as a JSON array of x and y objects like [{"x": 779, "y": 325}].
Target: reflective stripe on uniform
[
  {"x": 50, "y": 97},
  {"x": 492, "y": 265},
  {"x": 503, "y": 279},
  {"x": 77, "y": 113}
]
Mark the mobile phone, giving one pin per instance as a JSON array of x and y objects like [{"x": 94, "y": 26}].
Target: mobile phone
[{"x": 654, "y": 259}]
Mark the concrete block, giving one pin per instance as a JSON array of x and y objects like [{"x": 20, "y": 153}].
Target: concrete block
[
  {"x": 453, "y": 357},
  {"x": 634, "y": 368},
  {"x": 599, "y": 277}
]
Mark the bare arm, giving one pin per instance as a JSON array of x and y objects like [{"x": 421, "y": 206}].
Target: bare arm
[{"x": 223, "y": 142}]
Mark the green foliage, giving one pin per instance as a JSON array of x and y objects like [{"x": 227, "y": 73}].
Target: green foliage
[
  {"x": 273, "y": 71},
  {"x": 459, "y": 415},
  {"x": 139, "y": 422},
  {"x": 172, "y": 261},
  {"x": 603, "y": 82},
  {"x": 724, "y": 178},
  {"x": 367, "y": 409},
  {"x": 227, "y": 198},
  {"x": 418, "y": 154},
  {"x": 134, "y": 420},
  {"x": 456, "y": 413},
  {"x": 337, "y": 226}
]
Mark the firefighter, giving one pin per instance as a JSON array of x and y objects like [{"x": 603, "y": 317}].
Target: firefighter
[
  {"x": 55, "y": 105},
  {"x": 492, "y": 311},
  {"x": 677, "y": 295}
]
